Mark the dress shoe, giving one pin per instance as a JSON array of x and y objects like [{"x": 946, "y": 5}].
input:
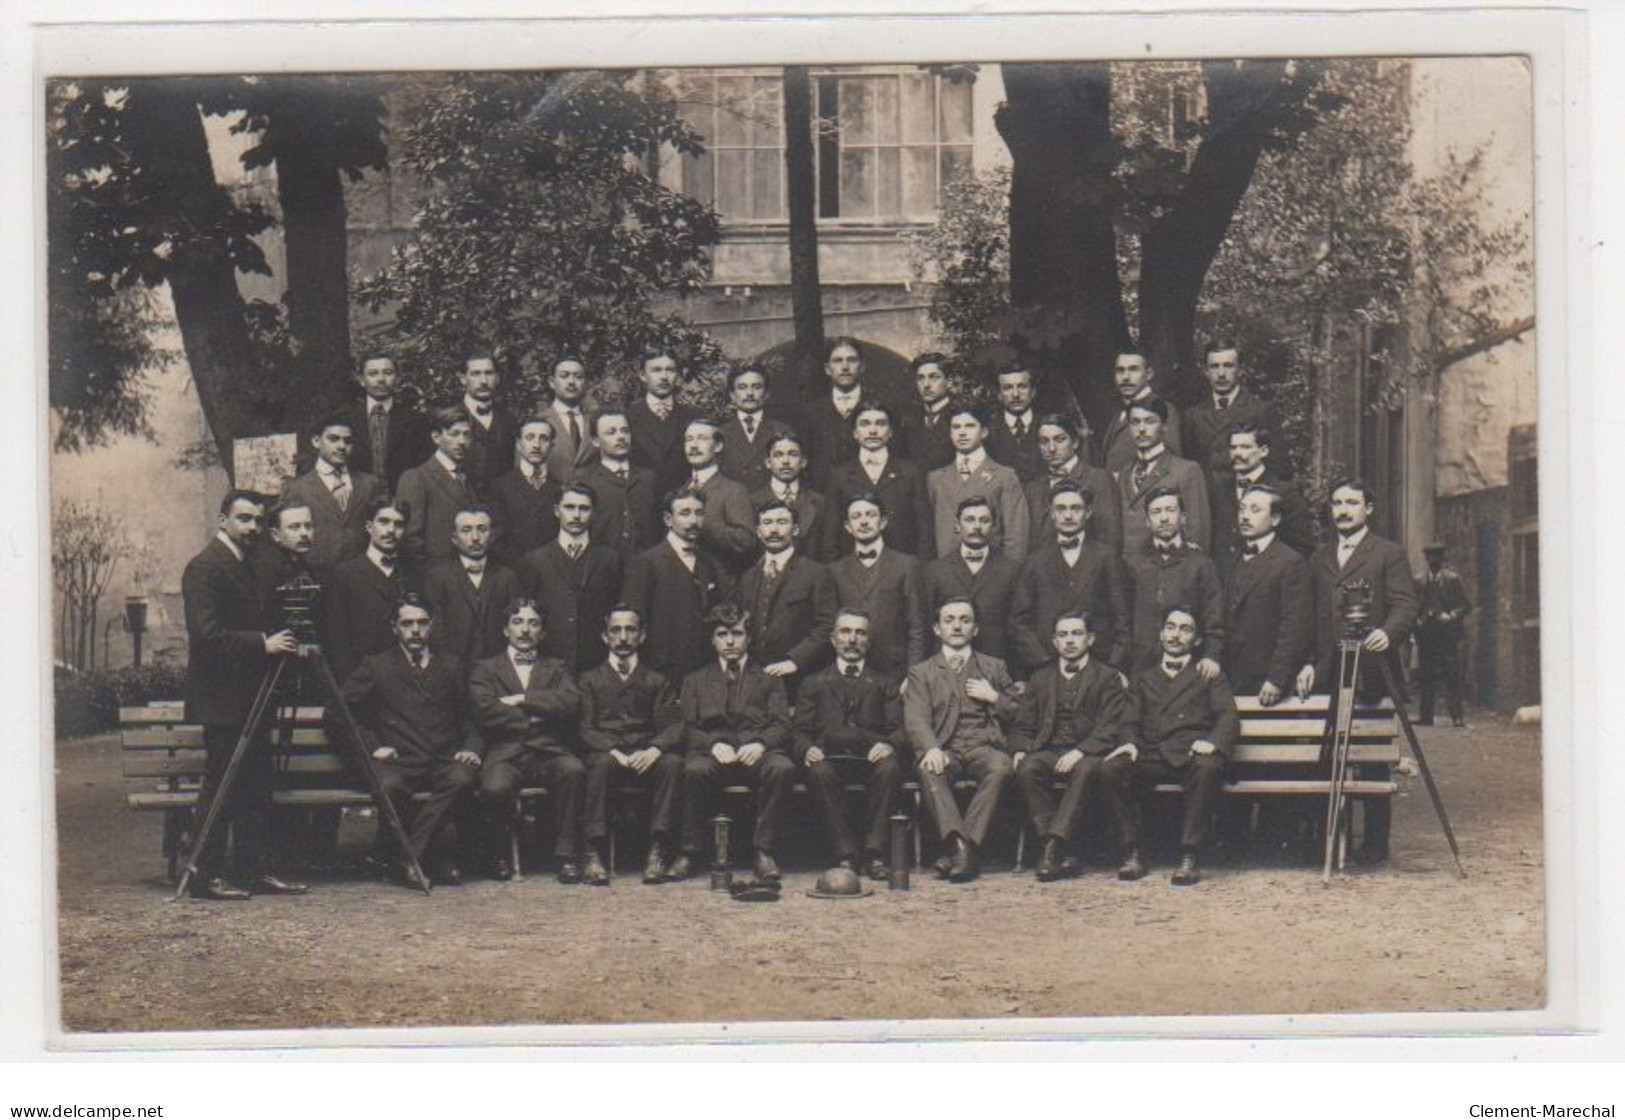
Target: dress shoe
[
  {"x": 654, "y": 871},
  {"x": 570, "y": 871},
  {"x": 1368, "y": 854},
  {"x": 501, "y": 869},
  {"x": 1133, "y": 867},
  {"x": 767, "y": 868},
  {"x": 943, "y": 866},
  {"x": 218, "y": 890},
  {"x": 963, "y": 868},
  {"x": 877, "y": 870},
  {"x": 1187, "y": 874},
  {"x": 446, "y": 874},
  {"x": 1049, "y": 862},
  {"x": 681, "y": 868},
  {"x": 270, "y": 884},
  {"x": 595, "y": 874}
]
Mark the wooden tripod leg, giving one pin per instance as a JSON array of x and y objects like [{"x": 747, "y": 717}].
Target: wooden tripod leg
[{"x": 1400, "y": 699}]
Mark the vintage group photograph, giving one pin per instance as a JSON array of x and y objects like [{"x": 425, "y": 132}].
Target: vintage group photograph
[{"x": 1030, "y": 541}]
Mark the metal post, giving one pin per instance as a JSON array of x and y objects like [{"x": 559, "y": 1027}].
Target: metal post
[
  {"x": 898, "y": 880},
  {"x": 721, "y": 876}
]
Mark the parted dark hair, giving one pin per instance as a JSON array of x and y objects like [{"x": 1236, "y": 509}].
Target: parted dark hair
[
  {"x": 956, "y": 601},
  {"x": 375, "y": 356},
  {"x": 738, "y": 371},
  {"x": 790, "y": 437},
  {"x": 624, "y": 608},
  {"x": 1079, "y": 613},
  {"x": 654, "y": 352},
  {"x": 565, "y": 356},
  {"x": 710, "y": 422},
  {"x": 873, "y": 406},
  {"x": 234, "y": 496},
  {"x": 725, "y": 614},
  {"x": 329, "y": 420},
  {"x": 776, "y": 503},
  {"x": 389, "y": 501},
  {"x": 843, "y": 340},
  {"x": 1062, "y": 421},
  {"x": 412, "y": 599},
  {"x": 1018, "y": 368},
  {"x": 1132, "y": 349},
  {"x": 1165, "y": 492},
  {"x": 514, "y": 606},
  {"x": 1266, "y": 488},
  {"x": 968, "y": 408},
  {"x": 482, "y": 356},
  {"x": 273, "y": 516},
  {"x": 672, "y": 497},
  {"x": 583, "y": 488},
  {"x": 444, "y": 416},
  {"x": 475, "y": 507},
  {"x": 1353, "y": 482},
  {"x": 603, "y": 412},
  {"x": 1259, "y": 432},
  {"x": 1072, "y": 486},
  {"x": 854, "y": 612},
  {"x": 929, "y": 358},
  {"x": 1181, "y": 608},
  {"x": 1151, "y": 404},
  {"x": 538, "y": 417},
  {"x": 1217, "y": 343},
  {"x": 873, "y": 499},
  {"x": 970, "y": 503}
]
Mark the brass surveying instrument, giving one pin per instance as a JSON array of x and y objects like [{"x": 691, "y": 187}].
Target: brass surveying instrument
[
  {"x": 297, "y": 599},
  {"x": 1353, "y": 627}
]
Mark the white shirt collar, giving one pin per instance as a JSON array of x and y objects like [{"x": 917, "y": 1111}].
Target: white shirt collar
[
  {"x": 840, "y": 666},
  {"x": 744, "y": 661},
  {"x": 329, "y": 472},
  {"x": 1153, "y": 455},
  {"x": 1250, "y": 477},
  {"x": 956, "y": 658},
  {"x": 449, "y": 466},
  {"x": 533, "y": 470},
  {"x": 631, "y": 664},
  {"x": 1083, "y": 663},
  {"x": 522, "y": 670},
  {"x": 468, "y": 562},
  {"x": 1012, "y": 418},
  {"x": 755, "y": 417},
  {"x": 377, "y": 559},
  {"x": 1262, "y": 542},
  {"x": 874, "y": 458},
  {"x": 682, "y": 547},
  {"x": 375, "y": 405},
  {"x": 1229, "y": 398},
  {"x": 566, "y": 540},
  {"x": 785, "y": 490},
  {"x": 878, "y": 547},
  {"x": 1070, "y": 467},
  {"x": 780, "y": 559},
  {"x": 845, "y": 398},
  {"x": 1352, "y": 541},
  {"x": 406, "y": 653},
  {"x": 567, "y": 410},
  {"x": 974, "y": 460},
  {"x": 705, "y": 474},
  {"x": 221, "y": 536},
  {"x": 473, "y": 406}
]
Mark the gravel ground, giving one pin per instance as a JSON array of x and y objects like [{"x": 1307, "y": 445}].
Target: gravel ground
[{"x": 1257, "y": 936}]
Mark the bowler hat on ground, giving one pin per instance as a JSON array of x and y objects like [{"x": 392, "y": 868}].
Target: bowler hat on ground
[{"x": 839, "y": 882}]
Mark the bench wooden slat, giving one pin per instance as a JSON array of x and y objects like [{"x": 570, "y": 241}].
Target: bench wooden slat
[
  {"x": 1352, "y": 787},
  {"x": 191, "y": 735},
  {"x": 1307, "y": 754},
  {"x": 1314, "y": 729},
  {"x": 167, "y": 764},
  {"x": 172, "y": 714}
]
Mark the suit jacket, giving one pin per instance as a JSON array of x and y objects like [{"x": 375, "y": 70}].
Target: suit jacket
[
  {"x": 1297, "y": 528},
  {"x": 674, "y": 602},
  {"x": 1184, "y": 577},
  {"x": 358, "y": 610},
  {"x": 434, "y": 497},
  {"x": 993, "y": 481},
  {"x": 813, "y": 537},
  {"x": 1117, "y": 446},
  {"x": 848, "y": 716},
  {"x": 792, "y": 617},
  {"x": 468, "y": 620},
  {"x": 1168, "y": 715},
  {"x": 1019, "y": 453},
  {"x": 1046, "y": 588},
  {"x": 657, "y": 445},
  {"x": 992, "y": 590},
  {"x": 1444, "y": 602},
  {"x": 423, "y": 714},
  {"x": 1106, "y": 526},
  {"x": 567, "y": 457},
  {"x": 754, "y": 709},
  {"x": 908, "y": 507},
  {"x": 544, "y": 721},
  {"x": 933, "y": 697},
  {"x": 339, "y": 533},
  {"x": 1169, "y": 470},
  {"x": 406, "y": 441},
  {"x": 623, "y": 513},
  {"x": 574, "y": 597},
  {"x": 745, "y": 460},
  {"x": 641, "y": 711},
  {"x": 225, "y": 639},
  {"x": 893, "y": 593},
  {"x": 1268, "y": 627},
  {"x": 924, "y": 437},
  {"x": 490, "y": 450},
  {"x": 729, "y": 532},
  {"x": 828, "y": 435},
  {"x": 1205, "y": 431},
  {"x": 1100, "y": 711},
  {"x": 1393, "y": 595},
  {"x": 523, "y": 514}
]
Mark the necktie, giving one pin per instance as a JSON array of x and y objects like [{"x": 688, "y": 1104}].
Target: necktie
[
  {"x": 1165, "y": 550},
  {"x": 379, "y": 423},
  {"x": 1250, "y": 550},
  {"x": 1344, "y": 551},
  {"x": 475, "y": 569},
  {"x": 1019, "y": 428},
  {"x": 575, "y": 430},
  {"x": 1142, "y": 472},
  {"x": 460, "y": 479},
  {"x": 483, "y": 411},
  {"x": 1069, "y": 670},
  {"x": 661, "y": 409},
  {"x": 417, "y": 660},
  {"x": 624, "y": 668},
  {"x": 732, "y": 669},
  {"x": 1173, "y": 667},
  {"x": 749, "y": 421},
  {"x": 1069, "y": 543},
  {"x": 695, "y": 483},
  {"x": 964, "y": 470},
  {"x": 851, "y": 669},
  {"x": 341, "y": 490},
  {"x": 574, "y": 549},
  {"x": 387, "y": 563},
  {"x": 522, "y": 657},
  {"x": 868, "y": 554},
  {"x": 621, "y": 472},
  {"x": 535, "y": 480},
  {"x": 1221, "y": 403}
]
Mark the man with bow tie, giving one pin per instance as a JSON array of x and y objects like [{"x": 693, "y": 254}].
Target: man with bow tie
[
  {"x": 1268, "y": 622},
  {"x": 337, "y": 497},
  {"x": 390, "y": 435},
  {"x": 623, "y": 513},
  {"x": 658, "y": 421},
  {"x": 437, "y": 488},
  {"x": 1173, "y": 571},
  {"x": 978, "y": 572},
  {"x": 736, "y": 726},
  {"x": 974, "y": 474},
  {"x": 924, "y": 426},
  {"x": 885, "y": 584},
  {"x": 849, "y": 726},
  {"x": 1178, "y": 726},
  {"x": 1250, "y": 466},
  {"x": 879, "y": 471},
  {"x": 469, "y": 590},
  {"x": 1155, "y": 467},
  {"x": 673, "y": 585},
  {"x": 956, "y": 705},
  {"x": 789, "y": 600},
  {"x": 748, "y": 433},
  {"x": 632, "y": 727},
  {"x": 1229, "y": 404},
  {"x": 1071, "y": 571},
  {"x": 412, "y": 708},
  {"x": 572, "y": 446},
  {"x": 574, "y": 580},
  {"x": 729, "y": 530},
  {"x": 522, "y": 500},
  {"x": 491, "y": 428},
  {"x": 526, "y": 709},
  {"x": 228, "y": 652},
  {"x": 1013, "y": 439},
  {"x": 1358, "y": 554},
  {"x": 359, "y": 597},
  {"x": 1132, "y": 374},
  {"x": 1066, "y": 726},
  {"x": 1061, "y": 448},
  {"x": 787, "y": 467}
]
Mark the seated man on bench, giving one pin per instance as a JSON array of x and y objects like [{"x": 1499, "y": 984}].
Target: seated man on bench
[
  {"x": 1176, "y": 727},
  {"x": 413, "y": 709}
]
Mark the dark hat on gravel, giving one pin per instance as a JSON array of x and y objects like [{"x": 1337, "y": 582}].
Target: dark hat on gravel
[
  {"x": 839, "y": 882},
  {"x": 753, "y": 890}
]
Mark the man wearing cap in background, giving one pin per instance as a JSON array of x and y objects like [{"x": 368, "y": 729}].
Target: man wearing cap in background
[{"x": 1440, "y": 628}]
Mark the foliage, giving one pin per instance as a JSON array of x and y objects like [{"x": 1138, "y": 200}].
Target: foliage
[
  {"x": 87, "y": 543},
  {"x": 965, "y": 258},
  {"x": 88, "y": 702},
  {"x": 541, "y": 228}
]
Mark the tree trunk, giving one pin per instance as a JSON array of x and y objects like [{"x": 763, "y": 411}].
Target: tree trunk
[
  {"x": 1064, "y": 283},
  {"x": 801, "y": 197}
]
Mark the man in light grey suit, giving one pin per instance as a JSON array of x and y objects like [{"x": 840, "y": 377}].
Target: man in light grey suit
[
  {"x": 337, "y": 497},
  {"x": 1154, "y": 467},
  {"x": 973, "y": 475}
]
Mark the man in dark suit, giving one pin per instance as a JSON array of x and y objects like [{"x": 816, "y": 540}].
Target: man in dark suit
[
  {"x": 1250, "y": 467},
  {"x": 658, "y": 422},
  {"x": 390, "y": 435},
  {"x": 729, "y": 530},
  {"x": 285, "y": 559},
  {"x": 748, "y": 432},
  {"x": 1155, "y": 467},
  {"x": 883, "y": 583},
  {"x": 975, "y": 474},
  {"x": 574, "y": 580},
  {"x": 1173, "y": 571},
  {"x": 787, "y": 466},
  {"x": 1012, "y": 438},
  {"x": 572, "y": 448},
  {"x": 491, "y": 428},
  {"x": 1268, "y": 625},
  {"x": 1066, "y": 726},
  {"x": 525, "y": 706},
  {"x": 1132, "y": 374},
  {"x": 736, "y": 726},
  {"x": 956, "y": 705},
  {"x": 849, "y": 725},
  {"x": 470, "y": 590},
  {"x": 825, "y": 422},
  {"x": 978, "y": 572},
  {"x": 923, "y": 427},
  {"x": 673, "y": 585},
  {"x": 624, "y": 507},
  {"x": 1356, "y": 561},
  {"x": 358, "y": 600},
  {"x": 1439, "y": 632},
  {"x": 522, "y": 500},
  {"x": 1060, "y": 445},
  {"x": 228, "y": 653},
  {"x": 789, "y": 601},
  {"x": 880, "y": 472},
  {"x": 631, "y": 725},
  {"x": 1070, "y": 572},
  {"x": 437, "y": 488},
  {"x": 1177, "y": 726},
  {"x": 1206, "y": 428},
  {"x": 412, "y": 707},
  {"x": 338, "y": 498}
]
